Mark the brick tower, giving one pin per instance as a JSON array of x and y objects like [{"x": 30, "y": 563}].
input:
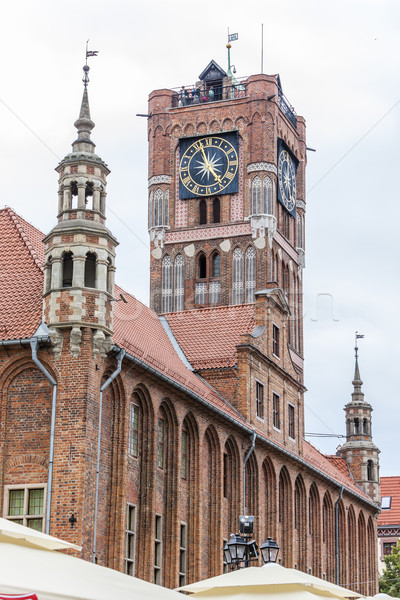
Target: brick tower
[
  {"x": 226, "y": 194},
  {"x": 80, "y": 250},
  {"x": 359, "y": 450}
]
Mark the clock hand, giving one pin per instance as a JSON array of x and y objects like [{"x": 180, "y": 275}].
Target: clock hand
[{"x": 208, "y": 165}]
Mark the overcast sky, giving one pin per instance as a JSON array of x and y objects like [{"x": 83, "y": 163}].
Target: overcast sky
[{"x": 339, "y": 67}]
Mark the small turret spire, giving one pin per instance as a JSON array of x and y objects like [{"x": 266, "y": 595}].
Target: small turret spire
[
  {"x": 84, "y": 123},
  {"x": 357, "y": 381}
]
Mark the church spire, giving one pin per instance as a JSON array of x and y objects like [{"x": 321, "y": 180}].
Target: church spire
[{"x": 357, "y": 394}]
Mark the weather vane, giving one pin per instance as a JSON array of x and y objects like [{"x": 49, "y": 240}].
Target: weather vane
[
  {"x": 86, "y": 68},
  {"x": 358, "y": 337}
]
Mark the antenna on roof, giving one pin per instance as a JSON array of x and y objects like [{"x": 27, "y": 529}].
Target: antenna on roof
[{"x": 262, "y": 48}]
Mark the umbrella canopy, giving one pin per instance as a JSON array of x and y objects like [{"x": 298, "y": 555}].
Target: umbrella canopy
[
  {"x": 15, "y": 533},
  {"x": 259, "y": 593},
  {"x": 56, "y": 576},
  {"x": 271, "y": 578}
]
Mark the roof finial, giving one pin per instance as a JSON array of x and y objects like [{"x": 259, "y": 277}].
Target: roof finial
[
  {"x": 357, "y": 378},
  {"x": 232, "y": 37},
  {"x": 86, "y": 67}
]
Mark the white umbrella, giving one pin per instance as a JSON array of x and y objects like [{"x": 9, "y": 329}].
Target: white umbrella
[
  {"x": 15, "y": 533},
  {"x": 270, "y": 578},
  {"x": 29, "y": 565}
]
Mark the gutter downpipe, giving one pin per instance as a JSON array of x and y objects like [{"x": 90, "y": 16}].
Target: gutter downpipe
[
  {"x": 113, "y": 375},
  {"x": 337, "y": 535},
  {"x": 246, "y": 458},
  {"x": 34, "y": 346}
]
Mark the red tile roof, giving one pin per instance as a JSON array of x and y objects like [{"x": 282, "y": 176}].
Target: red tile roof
[
  {"x": 21, "y": 276},
  {"x": 140, "y": 331},
  {"x": 209, "y": 336},
  {"x": 390, "y": 486}
]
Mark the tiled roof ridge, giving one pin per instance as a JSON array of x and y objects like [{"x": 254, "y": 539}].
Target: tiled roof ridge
[
  {"x": 390, "y": 477},
  {"x": 206, "y": 309},
  {"x": 16, "y": 220}
]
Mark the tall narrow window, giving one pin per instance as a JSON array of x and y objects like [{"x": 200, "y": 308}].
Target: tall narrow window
[
  {"x": 158, "y": 208},
  {"x": 184, "y": 454},
  {"x": 216, "y": 265},
  {"x": 165, "y": 208},
  {"x": 201, "y": 293},
  {"x": 90, "y": 270},
  {"x": 179, "y": 284},
  {"x": 202, "y": 266},
  {"x": 250, "y": 273},
  {"x": 226, "y": 479},
  {"x": 275, "y": 340},
  {"x": 158, "y": 549},
  {"x": 203, "y": 212},
  {"x": 182, "y": 555},
  {"x": 150, "y": 216},
  {"x": 370, "y": 470},
  {"x": 166, "y": 291},
  {"x": 276, "y": 412},
  {"x": 160, "y": 445},
  {"x": 67, "y": 269},
  {"x": 215, "y": 286},
  {"x": 267, "y": 196},
  {"x": 259, "y": 400},
  {"x": 216, "y": 210},
  {"x": 291, "y": 422},
  {"x": 133, "y": 441},
  {"x": 130, "y": 541},
  {"x": 237, "y": 276},
  {"x": 256, "y": 196}
]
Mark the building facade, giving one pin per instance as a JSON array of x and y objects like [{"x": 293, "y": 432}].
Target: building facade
[{"x": 140, "y": 433}]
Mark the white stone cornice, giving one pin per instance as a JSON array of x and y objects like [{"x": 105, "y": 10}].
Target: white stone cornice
[
  {"x": 262, "y": 166},
  {"x": 159, "y": 179},
  {"x": 301, "y": 204}
]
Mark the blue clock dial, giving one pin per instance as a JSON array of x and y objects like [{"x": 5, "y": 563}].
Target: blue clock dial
[
  {"x": 287, "y": 180},
  {"x": 208, "y": 166}
]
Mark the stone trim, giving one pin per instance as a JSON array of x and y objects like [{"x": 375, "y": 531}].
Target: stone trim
[
  {"x": 159, "y": 179},
  {"x": 261, "y": 166}
]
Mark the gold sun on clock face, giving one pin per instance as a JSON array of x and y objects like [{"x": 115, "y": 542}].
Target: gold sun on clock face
[{"x": 208, "y": 166}]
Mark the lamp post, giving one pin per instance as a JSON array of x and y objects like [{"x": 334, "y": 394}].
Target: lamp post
[{"x": 241, "y": 549}]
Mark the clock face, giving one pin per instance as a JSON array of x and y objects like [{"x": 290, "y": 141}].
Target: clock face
[
  {"x": 208, "y": 166},
  {"x": 287, "y": 180}
]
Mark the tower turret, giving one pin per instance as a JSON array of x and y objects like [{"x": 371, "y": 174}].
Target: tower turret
[
  {"x": 361, "y": 453},
  {"x": 80, "y": 250}
]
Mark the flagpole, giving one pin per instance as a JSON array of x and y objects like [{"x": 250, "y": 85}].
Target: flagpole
[{"x": 262, "y": 48}]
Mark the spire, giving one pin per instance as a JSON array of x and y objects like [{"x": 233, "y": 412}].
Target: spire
[
  {"x": 84, "y": 123},
  {"x": 357, "y": 395}
]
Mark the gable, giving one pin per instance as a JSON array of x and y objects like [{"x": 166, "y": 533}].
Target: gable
[{"x": 211, "y": 72}]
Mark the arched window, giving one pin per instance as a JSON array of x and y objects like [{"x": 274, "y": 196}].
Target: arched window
[
  {"x": 250, "y": 273},
  {"x": 267, "y": 196},
  {"x": 216, "y": 265},
  {"x": 203, "y": 212},
  {"x": 256, "y": 196},
  {"x": 74, "y": 194},
  {"x": 166, "y": 208},
  {"x": 356, "y": 426},
  {"x": 365, "y": 426},
  {"x": 202, "y": 266},
  {"x": 158, "y": 208},
  {"x": 90, "y": 270},
  {"x": 166, "y": 285},
  {"x": 151, "y": 209},
  {"x": 370, "y": 470},
  {"x": 179, "y": 285},
  {"x": 216, "y": 211},
  {"x": 237, "y": 276},
  {"x": 67, "y": 269},
  {"x": 89, "y": 194}
]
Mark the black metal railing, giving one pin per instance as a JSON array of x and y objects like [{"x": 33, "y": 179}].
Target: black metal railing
[
  {"x": 187, "y": 96},
  {"x": 287, "y": 109}
]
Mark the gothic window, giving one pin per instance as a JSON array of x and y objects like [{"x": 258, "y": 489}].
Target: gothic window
[
  {"x": 291, "y": 421},
  {"x": 151, "y": 209},
  {"x": 216, "y": 211},
  {"x": 202, "y": 266},
  {"x": 184, "y": 453},
  {"x": 200, "y": 293},
  {"x": 179, "y": 285},
  {"x": 237, "y": 276},
  {"x": 276, "y": 413},
  {"x": 267, "y": 196},
  {"x": 166, "y": 208},
  {"x": 158, "y": 208},
  {"x": 216, "y": 265},
  {"x": 166, "y": 286},
  {"x": 67, "y": 269},
  {"x": 203, "y": 212},
  {"x": 160, "y": 443},
  {"x": 90, "y": 270},
  {"x": 256, "y": 196},
  {"x": 250, "y": 272},
  {"x": 133, "y": 441}
]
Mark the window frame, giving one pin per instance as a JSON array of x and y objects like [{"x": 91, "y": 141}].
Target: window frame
[
  {"x": 133, "y": 440},
  {"x": 260, "y": 402},
  {"x": 130, "y": 536},
  {"x": 291, "y": 421},
  {"x": 25, "y": 517},
  {"x": 158, "y": 550},
  {"x": 276, "y": 411},
  {"x": 276, "y": 340}
]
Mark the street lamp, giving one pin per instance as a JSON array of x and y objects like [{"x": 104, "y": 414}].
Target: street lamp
[
  {"x": 242, "y": 549},
  {"x": 269, "y": 551}
]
